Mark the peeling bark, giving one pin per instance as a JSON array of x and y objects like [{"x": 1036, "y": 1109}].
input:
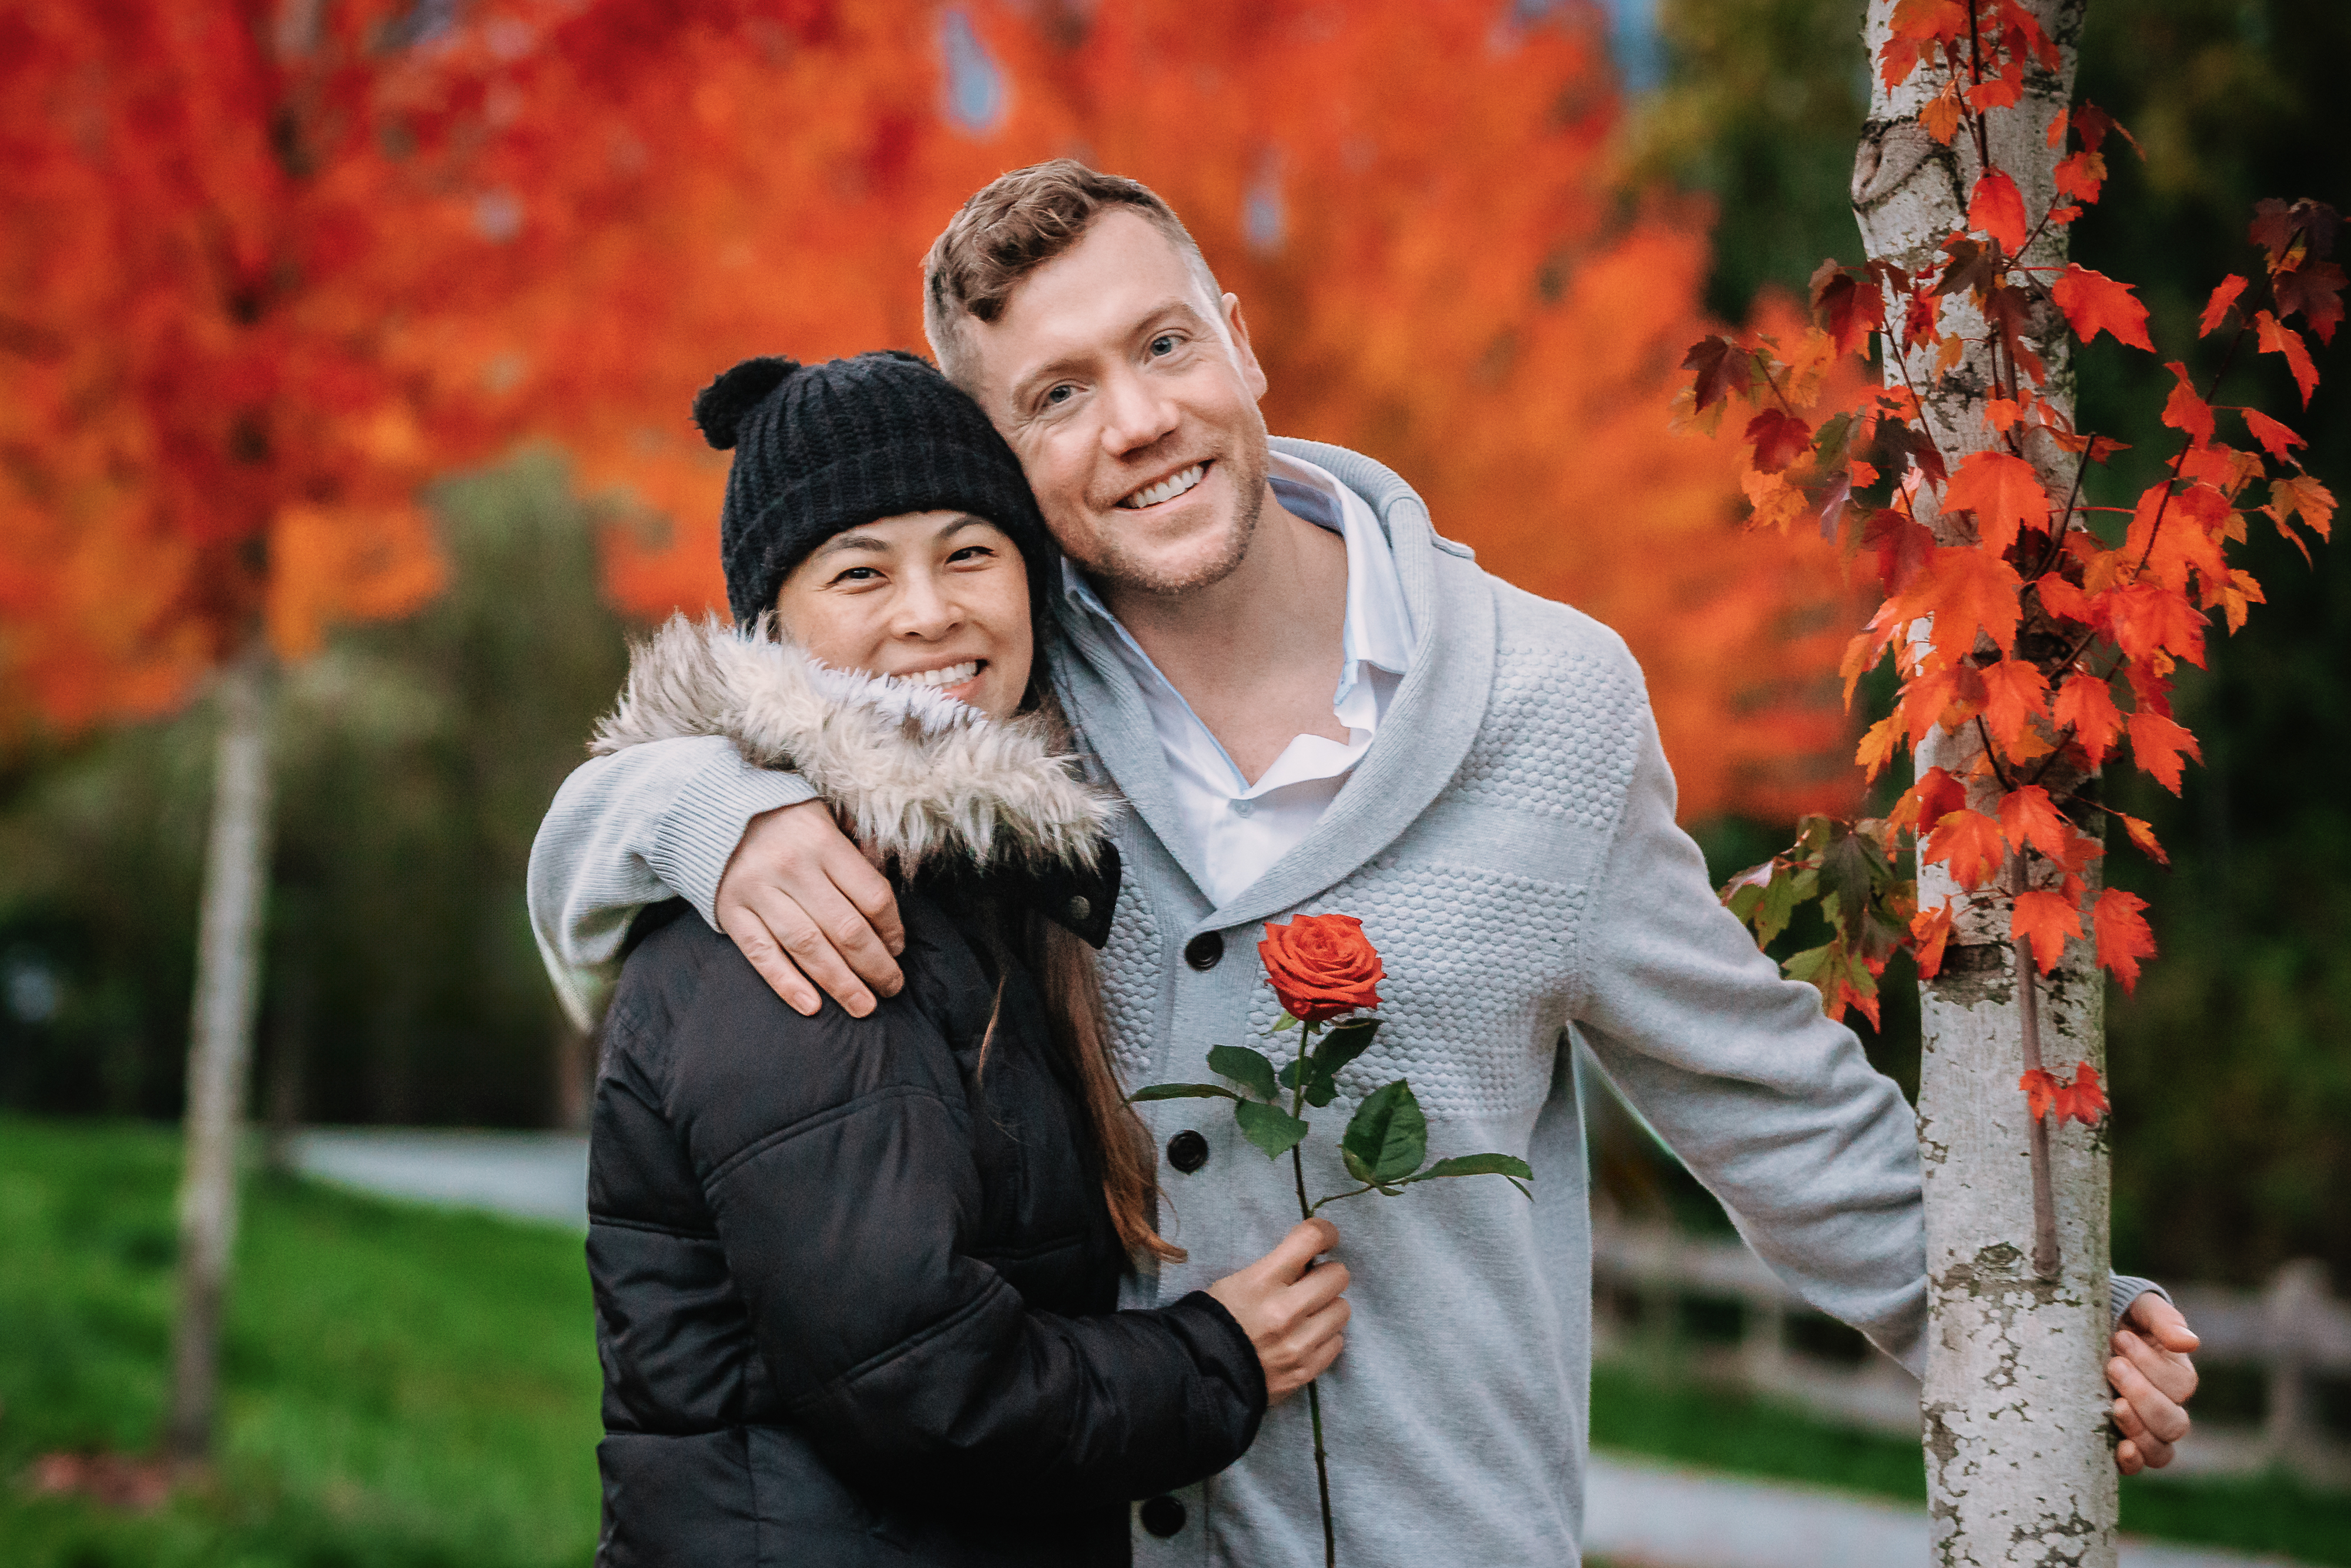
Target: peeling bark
[
  {"x": 2018, "y": 1449},
  {"x": 220, "y": 1047}
]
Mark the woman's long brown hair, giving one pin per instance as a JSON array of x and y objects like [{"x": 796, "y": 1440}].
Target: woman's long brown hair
[{"x": 1070, "y": 982}]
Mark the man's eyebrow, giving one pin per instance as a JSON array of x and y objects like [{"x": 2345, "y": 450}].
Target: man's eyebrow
[{"x": 1051, "y": 370}]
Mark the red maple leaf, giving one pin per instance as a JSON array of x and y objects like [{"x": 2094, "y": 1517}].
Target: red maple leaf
[
  {"x": 2149, "y": 618},
  {"x": 2276, "y": 338},
  {"x": 1849, "y": 307},
  {"x": 2080, "y": 175},
  {"x": 2015, "y": 693},
  {"x": 2157, "y": 742},
  {"x": 1968, "y": 590},
  {"x": 2088, "y": 1102},
  {"x": 2306, "y": 497},
  {"x": 2046, "y": 1094},
  {"x": 2094, "y": 303},
  {"x": 2003, "y": 492},
  {"x": 2185, "y": 409},
  {"x": 2315, "y": 290},
  {"x": 1935, "y": 796},
  {"x": 1968, "y": 844},
  {"x": 2144, "y": 837},
  {"x": 1997, "y": 208},
  {"x": 2047, "y": 919},
  {"x": 1930, "y": 930},
  {"x": 1724, "y": 370},
  {"x": 2028, "y": 816},
  {"x": 2122, "y": 936},
  {"x": 1780, "y": 439},
  {"x": 2216, "y": 310},
  {"x": 2042, "y": 1092},
  {"x": 2064, "y": 599},
  {"x": 2085, "y": 704},
  {"x": 1941, "y": 114},
  {"x": 2276, "y": 438},
  {"x": 1878, "y": 744}
]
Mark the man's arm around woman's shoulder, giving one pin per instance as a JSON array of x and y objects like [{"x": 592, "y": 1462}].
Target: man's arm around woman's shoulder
[{"x": 648, "y": 823}]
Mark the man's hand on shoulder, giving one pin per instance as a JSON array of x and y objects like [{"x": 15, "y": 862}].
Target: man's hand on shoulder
[
  {"x": 2152, "y": 1378},
  {"x": 809, "y": 912}
]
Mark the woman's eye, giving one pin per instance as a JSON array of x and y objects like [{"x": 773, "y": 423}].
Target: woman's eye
[
  {"x": 971, "y": 553},
  {"x": 859, "y": 574}
]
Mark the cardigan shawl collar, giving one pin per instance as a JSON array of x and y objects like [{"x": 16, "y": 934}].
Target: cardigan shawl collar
[{"x": 1428, "y": 730}]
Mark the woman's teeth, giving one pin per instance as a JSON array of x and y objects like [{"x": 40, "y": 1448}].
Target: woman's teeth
[
  {"x": 953, "y": 675},
  {"x": 1167, "y": 489}
]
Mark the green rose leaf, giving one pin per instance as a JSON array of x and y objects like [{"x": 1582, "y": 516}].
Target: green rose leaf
[
  {"x": 1248, "y": 1067},
  {"x": 1519, "y": 1172},
  {"x": 1283, "y": 1022},
  {"x": 1387, "y": 1137},
  {"x": 1182, "y": 1091},
  {"x": 1345, "y": 1042},
  {"x": 1269, "y": 1127}
]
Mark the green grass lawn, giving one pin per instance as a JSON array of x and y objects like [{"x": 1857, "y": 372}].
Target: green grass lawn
[
  {"x": 405, "y": 1388},
  {"x": 410, "y": 1388},
  {"x": 1639, "y": 1411}
]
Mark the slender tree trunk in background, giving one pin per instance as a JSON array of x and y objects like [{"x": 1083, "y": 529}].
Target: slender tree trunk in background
[
  {"x": 220, "y": 1045},
  {"x": 2020, "y": 1461}
]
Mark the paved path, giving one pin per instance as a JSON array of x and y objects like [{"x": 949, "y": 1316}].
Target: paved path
[
  {"x": 531, "y": 1175},
  {"x": 1639, "y": 1513}
]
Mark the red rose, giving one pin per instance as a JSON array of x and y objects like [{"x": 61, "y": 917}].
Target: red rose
[{"x": 1322, "y": 965}]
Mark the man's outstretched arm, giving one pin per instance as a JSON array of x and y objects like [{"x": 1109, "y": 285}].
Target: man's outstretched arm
[
  {"x": 1778, "y": 1113},
  {"x": 750, "y": 847}
]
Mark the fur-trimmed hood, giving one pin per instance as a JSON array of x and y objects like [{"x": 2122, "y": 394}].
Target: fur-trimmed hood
[{"x": 915, "y": 776}]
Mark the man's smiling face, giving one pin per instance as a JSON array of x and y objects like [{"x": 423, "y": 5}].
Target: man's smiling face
[{"x": 1131, "y": 397}]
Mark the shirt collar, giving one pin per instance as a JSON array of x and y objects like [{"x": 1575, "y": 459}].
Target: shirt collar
[{"x": 1378, "y": 628}]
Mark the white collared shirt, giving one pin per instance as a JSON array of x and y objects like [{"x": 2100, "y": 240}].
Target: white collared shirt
[{"x": 1240, "y": 828}]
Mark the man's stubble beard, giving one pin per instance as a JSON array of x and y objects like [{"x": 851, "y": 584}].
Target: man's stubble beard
[{"x": 1119, "y": 571}]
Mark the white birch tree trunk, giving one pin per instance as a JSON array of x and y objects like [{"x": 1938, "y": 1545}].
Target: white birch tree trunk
[
  {"x": 220, "y": 1046},
  {"x": 2020, "y": 1453}
]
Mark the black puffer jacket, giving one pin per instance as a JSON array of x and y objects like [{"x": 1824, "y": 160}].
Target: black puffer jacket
[{"x": 855, "y": 1296}]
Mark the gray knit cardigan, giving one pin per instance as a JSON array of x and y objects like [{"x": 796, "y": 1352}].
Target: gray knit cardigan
[{"x": 1508, "y": 843}]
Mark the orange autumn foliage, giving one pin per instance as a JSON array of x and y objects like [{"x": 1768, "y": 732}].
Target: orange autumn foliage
[
  {"x": 557, "y": 218},
  {"x": 1427, "y": 249},
  {"x": 2012, "y": 618}
]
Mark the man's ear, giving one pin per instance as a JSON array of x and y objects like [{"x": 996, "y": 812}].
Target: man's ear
[{"x": 1244, "y": 356}]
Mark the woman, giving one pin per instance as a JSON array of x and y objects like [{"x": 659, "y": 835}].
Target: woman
[{"x": 856, "y": 1278}]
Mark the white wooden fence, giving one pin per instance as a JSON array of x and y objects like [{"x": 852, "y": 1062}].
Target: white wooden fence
[{"x": 2294, "y": 1333}]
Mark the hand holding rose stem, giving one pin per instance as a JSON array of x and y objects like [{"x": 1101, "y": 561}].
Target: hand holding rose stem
[{"x": 1322, "y": 968}]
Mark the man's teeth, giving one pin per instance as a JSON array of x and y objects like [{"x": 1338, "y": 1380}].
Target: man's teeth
[
  {"x": 953, "y": 675},
  {"x": 1167, "y": 489}
]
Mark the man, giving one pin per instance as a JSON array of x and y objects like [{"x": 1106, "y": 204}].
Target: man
[{"x": 1313, "y": 703}]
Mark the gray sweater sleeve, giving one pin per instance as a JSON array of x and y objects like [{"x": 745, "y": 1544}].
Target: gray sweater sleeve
[
  {"x": 1774, "y": 1107},
  {"x": 655, "y": 821}
]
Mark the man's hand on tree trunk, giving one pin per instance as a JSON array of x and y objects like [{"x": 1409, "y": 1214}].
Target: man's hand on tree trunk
[{"x": 2154, "y": 1378}]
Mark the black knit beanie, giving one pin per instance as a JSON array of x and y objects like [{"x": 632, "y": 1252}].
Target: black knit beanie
[{"x": 821, "y": 448}]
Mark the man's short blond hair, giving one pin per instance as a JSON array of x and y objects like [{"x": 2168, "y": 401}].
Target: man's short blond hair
[{"x": 1013, "y": 226}]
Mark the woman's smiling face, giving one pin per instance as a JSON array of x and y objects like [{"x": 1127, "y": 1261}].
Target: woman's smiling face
[{"x": 937, "y": 597}]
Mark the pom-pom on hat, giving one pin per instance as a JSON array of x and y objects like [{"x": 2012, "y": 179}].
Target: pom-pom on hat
[{"x": 821, "y": 448}]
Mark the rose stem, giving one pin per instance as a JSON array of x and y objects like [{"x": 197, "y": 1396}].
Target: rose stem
[{"x": 1313, "y": 1395}]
